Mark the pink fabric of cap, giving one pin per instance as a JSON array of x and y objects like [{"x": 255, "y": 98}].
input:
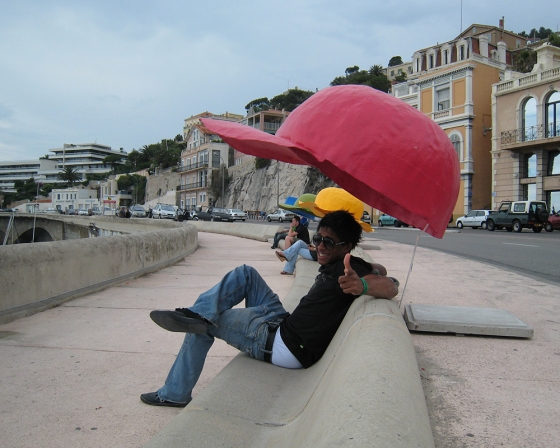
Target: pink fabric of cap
[{"x": 376, "y": 147}]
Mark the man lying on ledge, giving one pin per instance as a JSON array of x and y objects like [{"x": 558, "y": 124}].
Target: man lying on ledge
[{"x": 264, "y": 329}]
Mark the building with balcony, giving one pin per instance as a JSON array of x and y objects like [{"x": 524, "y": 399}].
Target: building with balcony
[
  {"x": 268, "y": 121},
  {"x": 86, "y": 158},
  {"x": 203, "y": 154},
  {"x": 41, "y": 170},
  {"x": 195, "y": 119},
  {"x": 526, "y": 132},
  {"x": 452, "y": 84}
]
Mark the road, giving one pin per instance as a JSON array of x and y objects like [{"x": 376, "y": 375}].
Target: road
[{"x": 533, "y": 254}]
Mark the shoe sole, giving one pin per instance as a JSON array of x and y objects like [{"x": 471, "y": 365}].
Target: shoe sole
[
  {"x": 281, "y": 257},
  {"x": 177, "y": 322}
]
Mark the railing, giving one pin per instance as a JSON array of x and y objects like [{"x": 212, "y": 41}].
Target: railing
[
  {"x": 528, "y": 80},
  {"x": 191, "y": 186},
  {"x": 192, "y": 166},
  {"x": 531, "y": 133}
]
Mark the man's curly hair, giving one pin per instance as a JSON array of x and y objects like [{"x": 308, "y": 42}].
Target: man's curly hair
[{"x": 343, "y": 225}]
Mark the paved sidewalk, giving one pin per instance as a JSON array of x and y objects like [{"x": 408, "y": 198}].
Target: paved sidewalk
[{"x": 72, "y": 375}]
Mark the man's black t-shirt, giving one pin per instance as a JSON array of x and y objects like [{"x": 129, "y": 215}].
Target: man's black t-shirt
[
  {"x": 303, "y": 233},
  {"x": 308, "y": 331}
]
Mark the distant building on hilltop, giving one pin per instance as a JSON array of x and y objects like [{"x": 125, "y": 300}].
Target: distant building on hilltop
[{"x": 86, "y": 158}]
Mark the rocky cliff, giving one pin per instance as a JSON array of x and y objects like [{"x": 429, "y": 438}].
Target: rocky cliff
[{"x": 262, "y": 189}]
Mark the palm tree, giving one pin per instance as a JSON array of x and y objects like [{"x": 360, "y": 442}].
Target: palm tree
[{"x": 70, "y": 175}]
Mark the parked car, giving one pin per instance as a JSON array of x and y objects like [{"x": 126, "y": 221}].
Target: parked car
[
  {"x": 366, "y": 217},
  {"x": 553, "y": 222},
  {"x": 96, "y": 211},
  {"x": 474, "y": 219},
  {"x": 71, "y": 211},
  {"x": 386, "y": 220},
  {"x": 83, "y": 212},
  {"x": 163, "y": 211},
  {"x": 517, "y": 215},
  {"x": 280, "y": 215},
  {"x": 214, "y": 214},
  {"x": 137, "y": 211},
  {"x": 236, "y": 214}
]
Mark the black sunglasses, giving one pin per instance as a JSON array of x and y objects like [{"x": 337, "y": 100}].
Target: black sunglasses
[{"x": 327, "y": 242}]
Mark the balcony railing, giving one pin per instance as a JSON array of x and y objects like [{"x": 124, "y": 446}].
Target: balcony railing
[
  {"x": 192, "y": 166},
  {"x": 192, "y": 186},
  {"x": 531, "y": 133},
  {"x": 527, "y": 80}
]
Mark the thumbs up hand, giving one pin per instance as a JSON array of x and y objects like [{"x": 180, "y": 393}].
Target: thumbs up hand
[{"x": 350, "y": 282}]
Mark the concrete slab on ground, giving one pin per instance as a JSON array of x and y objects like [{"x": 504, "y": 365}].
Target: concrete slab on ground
[{"x": 465, "y": 320}]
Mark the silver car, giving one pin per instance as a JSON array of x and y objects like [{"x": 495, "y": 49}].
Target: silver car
[
  {"x": 163, "y": 211},
  {"x": 280, "y": 215},
  {"x": 237, "y": 214},
  {"x": 474, "y": 219},
  {"x": 137, "y": 211}
]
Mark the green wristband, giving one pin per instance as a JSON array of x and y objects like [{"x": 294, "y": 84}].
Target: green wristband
[{"x": 365, "y": 285}]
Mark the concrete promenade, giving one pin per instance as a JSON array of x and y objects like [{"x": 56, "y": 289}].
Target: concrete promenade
[{"x": 72, "y": 375}]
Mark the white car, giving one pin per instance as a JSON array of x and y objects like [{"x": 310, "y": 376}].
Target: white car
[
  {"x": 163, "y": 211},
  {"x": 280, "y": 215},
  {"x": 237, "y": 214},
  {"x": 474, "y": 219},
  {"x": 83, "y": 212}
]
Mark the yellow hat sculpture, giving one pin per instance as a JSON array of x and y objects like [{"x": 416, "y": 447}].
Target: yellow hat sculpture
[{"x": 332, "y": 199}]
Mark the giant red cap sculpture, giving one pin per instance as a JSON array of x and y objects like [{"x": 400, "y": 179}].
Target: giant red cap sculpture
[{"x": 376, "y": 147}]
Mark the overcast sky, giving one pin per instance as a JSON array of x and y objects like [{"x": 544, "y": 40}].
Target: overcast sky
[{"x": 126, "y": 73}]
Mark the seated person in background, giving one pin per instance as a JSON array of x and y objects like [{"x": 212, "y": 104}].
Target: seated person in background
[
  {"x": 290, "y": 255},
  {"x": 297, "y": 230},
  {"x": 263, "y": 329}
]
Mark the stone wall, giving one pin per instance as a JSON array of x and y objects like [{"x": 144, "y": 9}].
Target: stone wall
[{"x": 249, "y": 188}]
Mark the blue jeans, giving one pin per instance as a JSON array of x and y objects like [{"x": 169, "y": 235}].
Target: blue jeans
[
  {"x": 291, "y": 253},
  {"x": 277, "y": 237},
  {"x": 243, "y": 328}
]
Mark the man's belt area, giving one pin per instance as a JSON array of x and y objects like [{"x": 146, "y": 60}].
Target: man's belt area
[{"x": 272, "y": 328}]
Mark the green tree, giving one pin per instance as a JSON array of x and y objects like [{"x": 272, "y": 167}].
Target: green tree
[
  {"x": 262, "y": 163},
  {"x": 374, "y": 78},
  {"x": 524, "y": 60},
  {"x": 135, "y": 184},
  {"x": 395, "y": 60},
  {"x": 554, "y": 39},
  {"x": 351, "y": 70},
  {"x": 216, "y": 183},
  {"x": 290, "y": 100},
  {"x": 258, "y": 104},
  {"x": 401, "y": 77},
  {"x": 69, "y": 175},
  {"x": 113, "y": 160}
]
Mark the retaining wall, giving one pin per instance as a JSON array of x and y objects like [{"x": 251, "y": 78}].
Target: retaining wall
[{"x": 34, "y": 277}]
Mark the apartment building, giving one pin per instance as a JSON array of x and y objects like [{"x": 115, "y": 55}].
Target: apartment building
[
  {"x": 526, "y": 132},
  {"x": 452, "y": 84},
  {"x": 86, "y": 158},
  {"x": 23, "y": 170},
  {"x": 204, "y": 153}
]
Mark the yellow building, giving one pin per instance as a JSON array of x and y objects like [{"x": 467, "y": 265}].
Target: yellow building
[{"x": 452, "y": 84}]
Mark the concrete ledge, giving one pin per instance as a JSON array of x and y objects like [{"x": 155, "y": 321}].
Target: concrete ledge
[
  {"x": 38, "y": 276},
  {"x": 251, "y": 231},
  {"x": 365, "y": 391}
]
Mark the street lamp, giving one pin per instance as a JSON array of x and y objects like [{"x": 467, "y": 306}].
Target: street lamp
[
  {"x": 223, "y": 175},
  {"x": 35, "y": 206}
]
